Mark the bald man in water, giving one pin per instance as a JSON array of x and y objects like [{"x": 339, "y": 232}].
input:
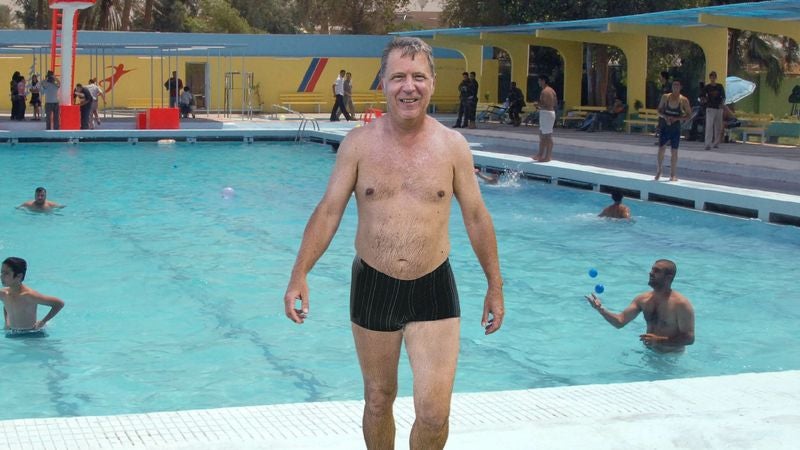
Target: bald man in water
[
  {"x": 669, "y": 315},
  {"x": 404, "y": 169}
]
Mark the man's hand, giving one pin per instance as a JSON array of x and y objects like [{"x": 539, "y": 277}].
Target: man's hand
[
  {"x": 649, "y": 339},
  {"x": 594, "y": 301},
  {"x": 493, "y": 305},
  {"x": 297, "y": 290}
]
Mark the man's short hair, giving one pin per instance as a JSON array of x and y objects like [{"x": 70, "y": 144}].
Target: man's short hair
[
  {"x": 513, "y": 84},
  {"x": 672, "y": 269},
  {"x": 40, "y": 189},
  {"x": 544, "y": 78},
  {"x": 616, "y": 196},
  {"x": 712, "y": 74},
  {"x": 17, "y": 266},
  {"x": 464, "y": 74},
  {"x": 408, "y": 46}
]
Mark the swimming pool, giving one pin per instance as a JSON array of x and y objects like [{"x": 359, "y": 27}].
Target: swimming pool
[{"x": 174, "y": 292}]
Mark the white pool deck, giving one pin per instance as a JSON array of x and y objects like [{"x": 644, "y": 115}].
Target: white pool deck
[{"x": 746, "y": 411}]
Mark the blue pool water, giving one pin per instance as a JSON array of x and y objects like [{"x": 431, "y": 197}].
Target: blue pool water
[{"x": 174, "y": 293}]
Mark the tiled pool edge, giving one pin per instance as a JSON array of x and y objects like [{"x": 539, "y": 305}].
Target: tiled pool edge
[{"x": 737, "y": 411}]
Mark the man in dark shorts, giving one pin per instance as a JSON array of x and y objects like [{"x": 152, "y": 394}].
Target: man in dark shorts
[
  {"x": 673, "y": 108},
  {"x": 404, "y": 171}
]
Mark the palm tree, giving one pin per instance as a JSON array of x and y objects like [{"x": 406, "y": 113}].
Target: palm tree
[{"x": 771, "y": 54}]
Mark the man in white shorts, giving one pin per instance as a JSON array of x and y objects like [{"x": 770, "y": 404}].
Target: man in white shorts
[{"x": 547, "y": 118}]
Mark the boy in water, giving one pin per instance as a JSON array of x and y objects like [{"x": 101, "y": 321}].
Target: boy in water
[{"x": 20, "y": 302}]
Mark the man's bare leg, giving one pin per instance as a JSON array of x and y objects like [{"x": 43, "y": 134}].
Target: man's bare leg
[
  {"x": 540, "y": 155},
  {"x": 433, "y": 352},
  {"x": 548, "y": 147},
  {"x": 378, "y": 355},
  {"x": 673, "y": 161},
  {"x": 659, "y": 162}
]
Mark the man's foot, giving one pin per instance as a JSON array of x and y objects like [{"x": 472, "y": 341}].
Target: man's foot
[
  {"x": 673, "y": 178},
  {"x": 193, "y": 117},
  {"x": 535, "y": 158},
  {"x": 716, "y": 146},
  {"x": 544, "y": 160},
  {"x": 658, "y": 176},
  {"x": 708, "y": 148}
]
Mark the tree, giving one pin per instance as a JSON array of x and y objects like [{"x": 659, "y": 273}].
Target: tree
[
  {"x": 5, "y": 16},
  {"x": 33, "y": 14},
  {"x": 217, "y": 16},
  {"x": 272, "y": 16},
  {"x": 347, "y": 16}
]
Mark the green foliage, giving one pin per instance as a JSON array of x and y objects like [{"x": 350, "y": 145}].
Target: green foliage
[
  {"x": 5, "y": 16},
  {"x": 272, "y": 16},
  {"x": 217, "y": 16}
]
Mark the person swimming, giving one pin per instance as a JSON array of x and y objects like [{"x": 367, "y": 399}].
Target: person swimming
[{"x": 40, "y": 202}]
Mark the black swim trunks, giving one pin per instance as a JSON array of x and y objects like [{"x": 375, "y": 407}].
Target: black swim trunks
[{"x": 379, "y": 302}]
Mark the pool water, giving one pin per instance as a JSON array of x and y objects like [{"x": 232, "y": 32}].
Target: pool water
[{"x": 174, "y": 293}]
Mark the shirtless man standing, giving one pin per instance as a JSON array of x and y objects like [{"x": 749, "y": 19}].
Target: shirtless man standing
[
  {"x": 404, "y": 170},
  {"x": 20, "y": 301},
  {"x": 669, "y": 315},
  {"x": 547, "y": 120},
  {"x": 40, "y": 202}
]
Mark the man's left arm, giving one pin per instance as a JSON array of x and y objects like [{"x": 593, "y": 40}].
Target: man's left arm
[
  {"x": 685, "y": 334},
  {"x": 54, "y": 303},
  {"x": 481, "y": 234}
]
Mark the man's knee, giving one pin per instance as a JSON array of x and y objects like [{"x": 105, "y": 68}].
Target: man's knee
[
  {"x": 379, "y": 398},
  {"x": 433, "y": 418}
]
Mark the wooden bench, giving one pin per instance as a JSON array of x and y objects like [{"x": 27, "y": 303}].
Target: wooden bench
[
  {"x": 444, "y": 103},
  {"x": 370, "y": 99},
  {"x": 577, "y": 114},
  {"x": 644, "y": 119},
  {"x": 753, "y": 125},
  {"x": 303, "y": 98}
]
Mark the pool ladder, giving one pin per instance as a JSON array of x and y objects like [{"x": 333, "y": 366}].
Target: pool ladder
[{"x": 306, "y": 123}]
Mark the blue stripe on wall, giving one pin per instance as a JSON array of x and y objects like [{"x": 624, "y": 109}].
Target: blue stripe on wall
[{"x": 307, "y": 77}]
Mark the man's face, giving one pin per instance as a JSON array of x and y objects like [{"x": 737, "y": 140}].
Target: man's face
[
  {"x": 348, "y": 76},
  {"x": 408, "y": 84},
  {"x": 713, "y": 77},
  {"x": 676, "y": 87},
  {"x": 541, "y": 83},
  {"x": 659, "y": 276},
  {"x": 7, "y": 276},
  {"x": 40, "y": 197}
]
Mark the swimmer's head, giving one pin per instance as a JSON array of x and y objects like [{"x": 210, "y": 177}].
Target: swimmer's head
[
  {"x": 13, "y": 268},
  {"x": 616, "y": 196},
  {"x": 40, "y": 196},
  {"x": 408, "y": 46},
  {"x": 662, "y": 274}
]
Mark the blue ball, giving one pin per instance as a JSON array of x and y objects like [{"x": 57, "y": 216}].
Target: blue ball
[
  {"x": 599, "y": 288},
  {"x": 592, "y": 273}
]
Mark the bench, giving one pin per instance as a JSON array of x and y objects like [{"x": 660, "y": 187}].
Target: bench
[
  {"x": 644, "y": 119},
  {"x": 577, "y": 114},
  {"x": 444, "y": 103},
  {"x": 368, "y": 99},
  {"x": 753, "y": 125},
  {"x": 303, "y": 98}
]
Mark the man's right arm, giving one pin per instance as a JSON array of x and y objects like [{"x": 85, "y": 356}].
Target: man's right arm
[
  {"x": 618, "y": 320},
  {"x": 322, "y": 226}
]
